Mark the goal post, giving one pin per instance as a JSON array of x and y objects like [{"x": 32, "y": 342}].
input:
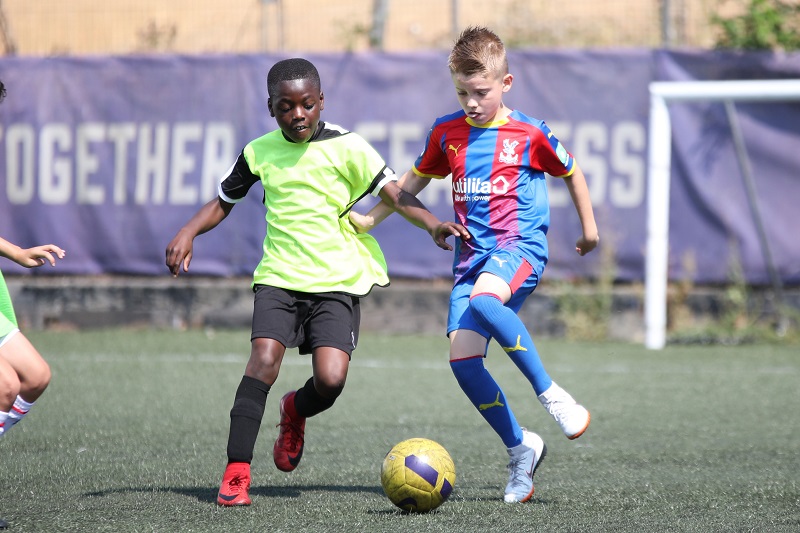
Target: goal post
[{"x": 663, "y": 93}]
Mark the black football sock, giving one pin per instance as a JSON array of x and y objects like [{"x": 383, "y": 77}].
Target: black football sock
[
  {"x": 246, "y": 415},
  {"x": 308, "y": 402}
]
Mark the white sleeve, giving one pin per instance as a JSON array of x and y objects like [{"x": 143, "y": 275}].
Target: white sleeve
[{"x": 386, "y": 175}]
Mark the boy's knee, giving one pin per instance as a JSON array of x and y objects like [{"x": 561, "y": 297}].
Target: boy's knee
[
  {"x": 36, "y": 381},
  {"x": 9, "y": 389},
  {"x": 265, "y": 360},
  {"x": 43, "y": 377},
  {"x": 317, "y": 395},
  {"x": 485, "y": 308},
  {"x": 329, "y": 387}
]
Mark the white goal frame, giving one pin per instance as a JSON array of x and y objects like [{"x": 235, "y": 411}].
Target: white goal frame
[{"x": 658, "y": 176}]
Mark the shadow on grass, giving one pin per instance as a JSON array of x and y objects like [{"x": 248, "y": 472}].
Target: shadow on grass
[{"x": 209, "y": 495}]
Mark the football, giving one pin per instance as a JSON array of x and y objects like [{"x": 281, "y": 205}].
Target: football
[{"x": 418, "y": 475}]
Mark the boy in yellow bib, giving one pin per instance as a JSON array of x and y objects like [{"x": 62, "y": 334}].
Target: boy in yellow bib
[{"x": 315, "y": 266}]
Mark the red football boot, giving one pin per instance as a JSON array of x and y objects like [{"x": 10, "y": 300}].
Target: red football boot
[
  {"x": 235, "y": 484},
  {"x": 288, "y": 447}
]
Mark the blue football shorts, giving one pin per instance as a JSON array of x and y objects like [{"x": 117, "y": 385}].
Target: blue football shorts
[{"x": 514, "y": 269}]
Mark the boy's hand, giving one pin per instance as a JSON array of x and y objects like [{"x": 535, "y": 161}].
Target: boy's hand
[
  {"x": 362, "y": 223},
  {"x": 446, "y": 229},
  {"x": 39, "y": 255},
  {"x": 586, "y": 245},
  {"x": 179, "y": 253}
]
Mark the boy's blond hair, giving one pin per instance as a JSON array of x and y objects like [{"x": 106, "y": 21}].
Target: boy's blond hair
[{"x": 478, "y": 51}]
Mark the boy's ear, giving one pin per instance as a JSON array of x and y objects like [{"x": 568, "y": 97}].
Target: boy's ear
[
  {"x": 269, "y": 106},
  {"x": 321, "y": 101},
  {"x": 508, "y": 79}
]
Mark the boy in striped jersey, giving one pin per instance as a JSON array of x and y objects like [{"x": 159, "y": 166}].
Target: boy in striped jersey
[{"x": 498, "y": 158}]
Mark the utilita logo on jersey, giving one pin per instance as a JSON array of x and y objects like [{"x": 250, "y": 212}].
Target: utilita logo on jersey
[{"x": 476, "y": 190}]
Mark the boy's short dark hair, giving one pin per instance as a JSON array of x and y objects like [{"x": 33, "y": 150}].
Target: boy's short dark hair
[{"x": 291, "y": 69}]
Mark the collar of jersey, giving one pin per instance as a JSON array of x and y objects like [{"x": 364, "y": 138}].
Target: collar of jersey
[{"x": 493, "y": 124}]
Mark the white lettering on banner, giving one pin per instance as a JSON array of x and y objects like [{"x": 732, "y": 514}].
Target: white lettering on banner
[
  {"x": 373, "y": 132},
  {"x": 405, "y": 135},
  {"x": 181, "y": 163},
  {"x": 87, "y": 163},
  {"x": 219, "y": 153},
  {"x": 151, "y": 159},
  {"x": 121, "y": 135},
  {"x": 591, "y": 141},
  {"x": 94, "y": 162},
  {"x": 55, "y": 180},
  {"x": 627, "y": 187},
  {"x": 19, "y": 176},
  {"x": 612, "y": 158},
  {"x": 613, "y": 162}
]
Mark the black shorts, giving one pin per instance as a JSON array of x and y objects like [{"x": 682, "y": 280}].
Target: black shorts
[{"x": 306, "y": 320}]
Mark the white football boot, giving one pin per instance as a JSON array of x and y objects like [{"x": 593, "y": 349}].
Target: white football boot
[
  {"x": 572, "y": 417},
  {"x": 524, "y": 460}
]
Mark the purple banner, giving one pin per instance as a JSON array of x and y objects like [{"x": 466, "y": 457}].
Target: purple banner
[
  {"x": 108, "y": 157},
  {"x": 713, "y": 232}
]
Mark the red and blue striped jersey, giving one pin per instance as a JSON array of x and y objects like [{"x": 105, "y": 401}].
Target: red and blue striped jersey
[{"x": 498, "y": 181}]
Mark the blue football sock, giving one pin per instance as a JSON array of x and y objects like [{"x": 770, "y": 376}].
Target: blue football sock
[
  {"x": 484, "y": 393},
  {"x": 507, "y": 328}
]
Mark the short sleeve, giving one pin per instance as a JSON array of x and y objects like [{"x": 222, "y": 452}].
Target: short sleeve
[
  {"x": 234, "y": 185},
  {"x": 432, "y": 162},
  {"x": 548, "y": 154}
]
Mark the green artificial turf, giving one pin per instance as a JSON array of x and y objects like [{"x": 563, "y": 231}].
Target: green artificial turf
[{"x": 131, "y": 436}]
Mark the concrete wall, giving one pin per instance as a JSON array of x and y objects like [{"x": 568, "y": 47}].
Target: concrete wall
[
  {"x": 55, "y": 302},
  {"x": 406, "y": 306}
]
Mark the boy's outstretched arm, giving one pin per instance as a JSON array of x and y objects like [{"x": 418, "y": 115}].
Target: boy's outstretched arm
[
  {"x": 415, "y": 212},
  {"x": 179, "y": 249},
  {"x": 579, "y": 191},
  {"x": 31, "y": 257},
  {"x": 409, "y": 182}
]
